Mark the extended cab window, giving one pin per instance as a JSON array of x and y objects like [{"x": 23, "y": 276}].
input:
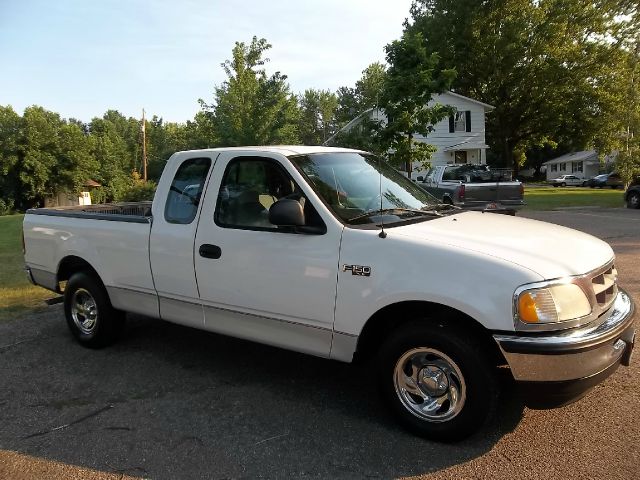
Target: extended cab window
[
  {"x": 249, "y": 187},
  {"x": 185, "y": 191}
]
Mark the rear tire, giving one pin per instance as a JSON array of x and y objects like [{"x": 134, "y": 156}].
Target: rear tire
[
  {"x": 633, "y": 200},
  {"x": 437, "y": 382},
  {"x": 90, "y": 316}
]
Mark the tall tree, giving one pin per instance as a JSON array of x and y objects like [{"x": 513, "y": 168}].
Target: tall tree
[
  {"x": 413, "y": 77},
  {"x": 628, "y": 161},
  {"x": 251, "y": 108},
  {"x": 38, "y": 153},
  {"x": 113, "y": 155},
  {"x": 546, "y": 65},
  {"x": 10, "y": 138},
  {"x": 317, "y": 116},
  {"x": 365, "y": 95}
]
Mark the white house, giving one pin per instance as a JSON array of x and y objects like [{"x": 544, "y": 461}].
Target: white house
[
  {"x": 459, "y": 138},
  {"x": 583, "y": 165}
]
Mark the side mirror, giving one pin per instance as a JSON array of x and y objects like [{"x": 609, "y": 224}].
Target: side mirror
[
  {"x": 287, "y": 213},
  {"x": 420, "y": 179}
]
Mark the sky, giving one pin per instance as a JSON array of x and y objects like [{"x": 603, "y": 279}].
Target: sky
[{"x": 80, "y": 58}]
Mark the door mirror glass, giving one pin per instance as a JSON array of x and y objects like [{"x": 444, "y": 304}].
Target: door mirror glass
[
  {"x": 420, "y": 178},
  {"x": 287, "y": 213}
]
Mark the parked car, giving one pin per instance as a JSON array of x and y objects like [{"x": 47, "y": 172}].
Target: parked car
[
  {"x": 599, "y": 181},
  {"x": 333, "y": 253},
  {"x": 632, "y": 195},
  {"x": 474, "y": 187},
  {"x": 564, "y": 180},
  {"x": 614, "y": 181}
]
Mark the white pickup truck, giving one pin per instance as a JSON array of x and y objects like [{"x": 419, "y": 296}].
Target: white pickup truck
[{"x": 333, "y": 253}]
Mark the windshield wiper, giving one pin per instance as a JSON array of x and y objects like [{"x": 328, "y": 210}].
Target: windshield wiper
[{"x": 432, "y": 212}]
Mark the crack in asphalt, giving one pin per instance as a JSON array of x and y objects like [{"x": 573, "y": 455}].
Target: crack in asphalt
[{"x": 66, "y": 425}]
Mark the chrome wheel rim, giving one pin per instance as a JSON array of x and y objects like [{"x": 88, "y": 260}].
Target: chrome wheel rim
[
  {"x": 634, "y": 200},
  {"x": 429, "y": 384},
  {"x": 84, "y": 311}
]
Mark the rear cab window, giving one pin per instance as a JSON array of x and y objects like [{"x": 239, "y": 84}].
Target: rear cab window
[{"x": 185, "y": 191}]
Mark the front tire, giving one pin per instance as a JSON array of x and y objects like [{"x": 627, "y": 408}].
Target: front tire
[
  {"x": 90, "y": 316},
  {"x": 633, "y": 200},
  {"x": 438, "y": 383}
]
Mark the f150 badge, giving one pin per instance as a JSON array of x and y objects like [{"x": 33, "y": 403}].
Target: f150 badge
[{"x": 359, "y": 270}]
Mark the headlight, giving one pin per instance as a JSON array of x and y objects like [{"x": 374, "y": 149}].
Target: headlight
[{"x": 552, "y": 304}]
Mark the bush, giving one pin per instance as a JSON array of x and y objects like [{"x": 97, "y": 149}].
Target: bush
[
  {"x": 139, "y": 192},
  {"x": 6, "y": 207}
]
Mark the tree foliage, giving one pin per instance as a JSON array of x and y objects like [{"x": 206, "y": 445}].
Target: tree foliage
[
  {"x": 549, "y": 67},
  {"x": 413, "y": 77},
  {"x": 251, "y": 108},
  {"x": 317, "y": 116}
]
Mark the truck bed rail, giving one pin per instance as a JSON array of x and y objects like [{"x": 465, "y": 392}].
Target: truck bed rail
[{"x": 133, "y": 212}]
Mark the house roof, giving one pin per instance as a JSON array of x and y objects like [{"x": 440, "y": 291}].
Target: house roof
[
  {"x": 469, "y": 145},
  {"x": 574, "y": 157},
  {"x": 469, "y": 99},
  {"x": 91, "y": 183}
]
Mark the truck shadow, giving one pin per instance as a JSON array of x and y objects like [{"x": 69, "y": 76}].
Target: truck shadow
[{"x": 174, "y": 402}]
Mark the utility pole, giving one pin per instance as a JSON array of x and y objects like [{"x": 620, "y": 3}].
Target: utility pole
[{"x": 144, "y": 148}]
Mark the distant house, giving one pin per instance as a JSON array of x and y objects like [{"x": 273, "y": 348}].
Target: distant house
[
  {"x": 68, "y": 199},
  {"x": 584, "y": 165},
  {"x": 459, "y": 139}
]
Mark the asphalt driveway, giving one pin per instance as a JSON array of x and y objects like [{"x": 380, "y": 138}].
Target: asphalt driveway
[{"x": 172, "y": 402}]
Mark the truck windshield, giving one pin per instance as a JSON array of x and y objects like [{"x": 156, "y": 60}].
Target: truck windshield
[{"x": 358, "y": 186}]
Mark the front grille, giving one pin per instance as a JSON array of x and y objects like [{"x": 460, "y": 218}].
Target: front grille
[{"x": 605, "y": 286}]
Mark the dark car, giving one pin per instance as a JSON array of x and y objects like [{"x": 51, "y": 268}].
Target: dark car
[
  {"x": 599, "y": 181},
  {"x": 632, "y": 195},
  {"x": 615, "y": 181}
]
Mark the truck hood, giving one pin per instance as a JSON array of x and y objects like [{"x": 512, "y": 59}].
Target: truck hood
[{"x": 549, "y": 250}]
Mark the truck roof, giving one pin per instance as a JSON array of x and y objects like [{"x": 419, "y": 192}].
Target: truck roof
[{"x": 283, "y": 149}]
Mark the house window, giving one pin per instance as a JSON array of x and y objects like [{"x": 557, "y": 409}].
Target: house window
[
  {"x": 576, "y": 167},
  {"x": 460, "y": 121},
  {"x": 554, "y": 167},
  {"x": 563, "y": 167}
]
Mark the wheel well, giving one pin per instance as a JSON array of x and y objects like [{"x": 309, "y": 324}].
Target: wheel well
[
  {"x": 72, "y": 264},
  {"x": 394, "y": 316}
]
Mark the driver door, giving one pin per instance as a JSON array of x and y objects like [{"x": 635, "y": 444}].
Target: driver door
[{"x": 258, "y": 281}]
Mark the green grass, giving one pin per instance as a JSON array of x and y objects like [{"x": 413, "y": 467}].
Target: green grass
[
  {"x": 548, "y": 198},
  {"x": 17, "y": 295}
]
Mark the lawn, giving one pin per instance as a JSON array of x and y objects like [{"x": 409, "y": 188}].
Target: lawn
[
  {"x": 16, "y": 293},
  {"x": 548, "y": 198}
]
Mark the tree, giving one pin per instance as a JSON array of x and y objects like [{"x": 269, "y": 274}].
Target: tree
[
  {"x": 414, "y": 75},
  {"x": 39, "y": 149},
  {"x": 251, "y": 108},
  {"x": 548, "y": 67},
  {"x": 317, "y": 116},
  {"x": 366, "y": 94},
  {"x": 628, "y": 160},
  {"x": 10, "y": 137},
  {"x": 75, "y": 161},
  {"x": 113, "y": 155}
]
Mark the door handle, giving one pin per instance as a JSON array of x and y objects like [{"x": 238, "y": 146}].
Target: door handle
[{"x": 209, "y": 251}]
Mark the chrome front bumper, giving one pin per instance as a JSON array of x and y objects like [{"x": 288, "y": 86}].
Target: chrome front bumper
[{"x": 575, "y": 354}]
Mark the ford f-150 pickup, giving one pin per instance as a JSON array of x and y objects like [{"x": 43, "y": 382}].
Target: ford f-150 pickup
[
  {"x": 474, "y": 187},
  {"x": 333, "y": 253}
]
